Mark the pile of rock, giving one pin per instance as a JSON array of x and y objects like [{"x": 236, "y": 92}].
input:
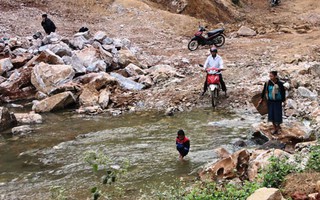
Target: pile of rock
[{"x": 93, "y": 73}]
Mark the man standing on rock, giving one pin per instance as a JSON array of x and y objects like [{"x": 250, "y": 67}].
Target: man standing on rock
[
  {"x": 47, "y": 24},
  {"x": 214, "y": 60},
  {"x": 274, "y": 92}
]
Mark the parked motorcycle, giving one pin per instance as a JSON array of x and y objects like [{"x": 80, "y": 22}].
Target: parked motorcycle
[{"x": 215, "y": 37}]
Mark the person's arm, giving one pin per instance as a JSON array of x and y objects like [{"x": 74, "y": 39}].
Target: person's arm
[
  {"x": 263, "y": 93},
  {"x": 206, "y": 63},
  {"x": 220, "y": 63},
  {"x": 187, "y": 145},
  {"x": 282, "y": 92}
]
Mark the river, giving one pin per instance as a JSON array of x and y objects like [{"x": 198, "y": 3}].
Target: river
[{"x": 53, "y": 156}]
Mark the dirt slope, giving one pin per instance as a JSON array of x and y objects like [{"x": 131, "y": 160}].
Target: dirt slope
[{"x": 285, "y": 32}]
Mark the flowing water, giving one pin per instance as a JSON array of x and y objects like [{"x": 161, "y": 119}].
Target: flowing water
[{"x": 54, "y": 154}]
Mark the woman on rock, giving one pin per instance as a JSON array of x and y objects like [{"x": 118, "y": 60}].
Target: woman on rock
[{"x": 274, "y": 92}]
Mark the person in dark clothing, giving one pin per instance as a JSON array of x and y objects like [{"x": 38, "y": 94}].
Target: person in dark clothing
[
  {"x": 274, "y": 92},
  {"x": 47, "y": 24},
  {"x": 182, "y": 144}
]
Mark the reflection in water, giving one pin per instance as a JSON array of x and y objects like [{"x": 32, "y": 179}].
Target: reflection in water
[{"x": 54, "y": 154}]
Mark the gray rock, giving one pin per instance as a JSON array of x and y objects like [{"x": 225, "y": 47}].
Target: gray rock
[
  {"x": 22, "y": 130},
  {"x": 127, "y": 83},
  {"x": 107, "y": 41},
  {"x": 97, "y": 66},
  {"x": 46, "y": 78},
  {"x": 134, "y": 70},
  {"x": 53, "y": 103},
  {"x": 245, "y": 31},
  {"x": 292, "y": 104},
  {"x": 304, "y": 92},
  {"x": 104, "y": 98},
  {"x": 5, "y": 65},
  {"x": 266, "y": 194},
  {"x": 315, "y": 69},
  {"x": 146, "y": 80},
  {"x": 100, "y": 36},
  {"x": 28, "y": 118},
  {"x": 7, "y": 119},
  {"x": 79, "y": 42}
]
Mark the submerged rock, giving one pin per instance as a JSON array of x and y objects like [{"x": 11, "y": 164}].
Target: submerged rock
[{"x": 7, "y": 119}]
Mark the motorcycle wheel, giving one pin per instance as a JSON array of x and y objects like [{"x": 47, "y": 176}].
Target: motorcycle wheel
[
  {"x": 214, "y": 98},
  {"x": 193, "y": 45},
  {"x": 219, "y": 40}
]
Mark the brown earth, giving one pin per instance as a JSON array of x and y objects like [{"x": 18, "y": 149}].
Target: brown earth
[{"x": 301, "y": 183}]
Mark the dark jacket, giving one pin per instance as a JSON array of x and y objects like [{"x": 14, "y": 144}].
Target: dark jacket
[
  {"x": 282, "y": 92},
  {"x": 48, "y": 26}
]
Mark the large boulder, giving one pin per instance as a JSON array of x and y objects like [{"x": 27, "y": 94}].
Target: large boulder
[
  {"x": 259, "y": 159},
  {"x": 134, "y": 70},
  {"x": 21, "y": 60},
  {"x": 22, "y": 130},
  {"x": 126, "y": 57},
  {"x": 46, "y": 78},
  {"x": 127, "y": 83},
  {"x": 55, "y": 102},
  {"x": 5, "y": 65},
  {"x": 48, "y": 57},
  {"x": 79, "y": 40},
  {"x": 146, "y": 81},
  {"x": 290, "y": 134},
  {"x": 89, "y": 96},
  {"x": 99, "y": 80},
  {"x": 87, "y": 56},
  {"x": 315, "y": 69},
  {"x": 104, "y": 98},
  {"x": 100, "y": 36},
  {"x": 75, "y": 62},
  {"x": 245, "y": 31},
  {"x": 17, "y": 86},
  {"x": 162, "y": 72},
  {"x": 233, "y": 166},
  {"x": 61, "y": 49},
  {"x": 7, "y": 119},
  {"x": 305, "y": 92},
  {"x": 266, "y": 194}
]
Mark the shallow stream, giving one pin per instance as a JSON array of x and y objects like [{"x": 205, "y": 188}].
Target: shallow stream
[{"x": 54, "y": 154}]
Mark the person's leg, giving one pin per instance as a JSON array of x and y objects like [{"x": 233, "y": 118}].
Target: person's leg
[
  {"x": 278, "y": 115},
  {"x": 271, "y": 116},
  {"x": 222, "y": 83},
  {"x": 205, "y": 86}
]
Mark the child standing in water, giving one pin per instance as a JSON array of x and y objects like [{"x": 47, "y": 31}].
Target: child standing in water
[{"x": 183, "y": 144}]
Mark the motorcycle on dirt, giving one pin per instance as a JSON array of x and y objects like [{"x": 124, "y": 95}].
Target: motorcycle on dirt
[{"x": 215, "y": 37}]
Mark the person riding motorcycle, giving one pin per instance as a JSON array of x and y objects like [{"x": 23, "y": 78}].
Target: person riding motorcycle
[{"x": 214, "y": 60}]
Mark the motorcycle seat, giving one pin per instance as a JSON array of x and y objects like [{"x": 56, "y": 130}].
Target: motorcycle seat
[{"x": 215, "y": 31}]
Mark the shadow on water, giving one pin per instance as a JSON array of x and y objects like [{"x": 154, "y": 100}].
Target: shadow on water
[{"x": 53, "y": 155}]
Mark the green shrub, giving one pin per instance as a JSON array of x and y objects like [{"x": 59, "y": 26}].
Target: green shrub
[
  {"x": 314, "y": 159},
  {"x": 212, "y": 191},
  {"x": 111, "y": 175},
  {"x": 275, "y": 172}
]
